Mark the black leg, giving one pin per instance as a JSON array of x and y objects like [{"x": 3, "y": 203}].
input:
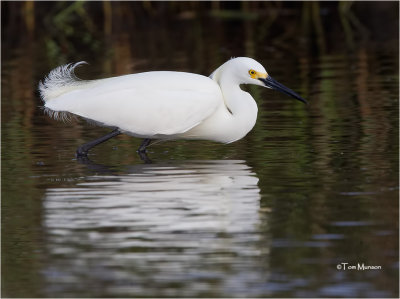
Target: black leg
[
  {"x": 84, "y": 149},
  {"x": 143, "y": 156},
  {"x": 142, "y": 148}
]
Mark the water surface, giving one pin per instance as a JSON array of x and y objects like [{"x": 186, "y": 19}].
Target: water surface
[{"x": 273, "y": 214}]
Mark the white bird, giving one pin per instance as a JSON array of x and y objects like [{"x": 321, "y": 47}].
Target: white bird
[{"x": 162, "y": 104}]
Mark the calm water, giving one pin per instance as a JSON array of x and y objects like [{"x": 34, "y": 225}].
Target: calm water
[{"x": 273, "y": 214}]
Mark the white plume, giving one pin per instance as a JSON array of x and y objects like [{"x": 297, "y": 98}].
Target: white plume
[{"x": 60, "y": 80}]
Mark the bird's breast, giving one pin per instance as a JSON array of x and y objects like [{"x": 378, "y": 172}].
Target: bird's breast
[{"x": 223, "y": 126}]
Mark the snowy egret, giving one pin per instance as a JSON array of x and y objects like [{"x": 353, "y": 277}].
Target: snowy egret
[{"x": 162, "y": 105}]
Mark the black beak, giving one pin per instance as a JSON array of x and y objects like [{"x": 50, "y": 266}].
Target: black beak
[{"x": 272, "y": 83}]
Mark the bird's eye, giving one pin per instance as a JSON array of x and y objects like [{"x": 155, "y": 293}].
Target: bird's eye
[{"x": 252, "y": 73}]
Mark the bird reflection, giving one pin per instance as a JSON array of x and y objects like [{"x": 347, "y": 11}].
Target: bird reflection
[{"x": 155, "y": 220}]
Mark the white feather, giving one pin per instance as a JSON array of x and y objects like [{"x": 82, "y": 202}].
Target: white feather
[
  {"x": 59, "y": 81},
  {"x": 159, "y": 105},
  {"x": 132, "y": 103}
]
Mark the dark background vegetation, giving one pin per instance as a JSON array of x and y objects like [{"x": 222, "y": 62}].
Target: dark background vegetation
[{"x": 64, "y": 28}]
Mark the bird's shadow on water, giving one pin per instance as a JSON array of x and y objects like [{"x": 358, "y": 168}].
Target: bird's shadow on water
[
  {"x": 95, "y": 167},
  {"x": 226, "y": 168},
  {"x": 104, "y": 169}
]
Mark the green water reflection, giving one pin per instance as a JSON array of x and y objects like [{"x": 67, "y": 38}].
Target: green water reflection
[{"x": 270, "y": 215}]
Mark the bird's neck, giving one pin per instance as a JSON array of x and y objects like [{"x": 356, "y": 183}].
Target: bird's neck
[
  {"x": 242, "y": 107},
  {"x": 238, "y": 102}
]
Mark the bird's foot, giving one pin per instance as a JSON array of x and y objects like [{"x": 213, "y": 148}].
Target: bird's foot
[
  {"x": 143, "y": 156},
  {"x": 81, "y": 152}
]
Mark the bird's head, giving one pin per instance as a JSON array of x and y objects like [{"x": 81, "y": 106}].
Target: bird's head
[{"x": 246, "y": 70}]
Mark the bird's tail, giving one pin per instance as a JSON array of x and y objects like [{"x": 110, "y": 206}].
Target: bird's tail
[{"x": 59, "y": 81}]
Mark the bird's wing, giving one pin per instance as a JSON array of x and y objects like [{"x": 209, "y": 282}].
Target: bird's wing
[{"x": 146, "y": 104}]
